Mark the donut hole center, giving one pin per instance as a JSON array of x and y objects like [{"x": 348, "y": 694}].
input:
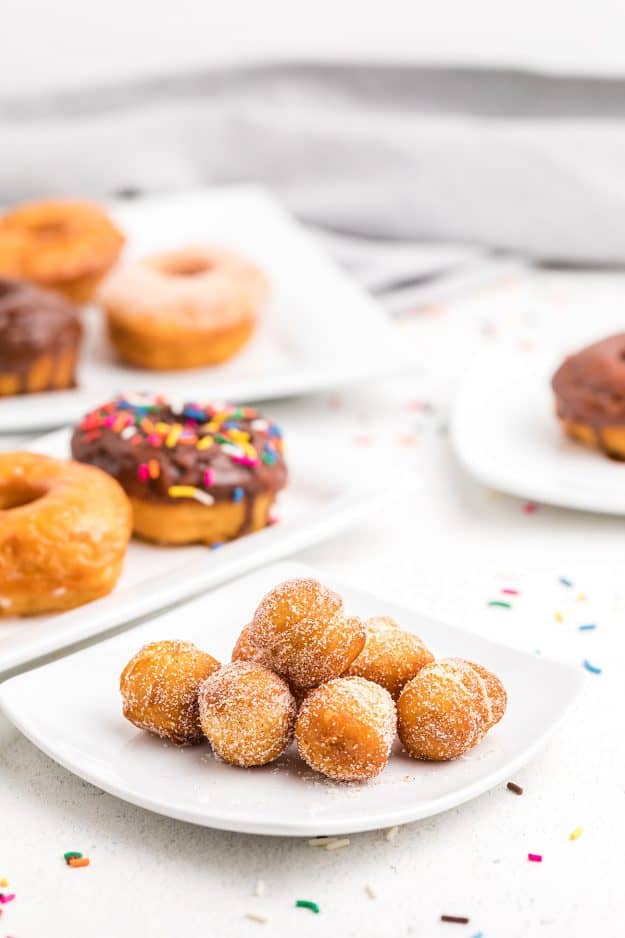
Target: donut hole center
[
  {"x": 17, "y": 495},
  {"x": 186, "y": 266}
]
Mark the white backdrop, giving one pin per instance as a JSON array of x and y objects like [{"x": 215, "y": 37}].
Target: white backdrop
[{"x": 66, "y": 43}]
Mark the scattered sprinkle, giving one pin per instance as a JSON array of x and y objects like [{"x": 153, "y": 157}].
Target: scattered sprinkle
[
  {"x": 507, "y": 591},
  {"x": 338, "y": 844},
  {"x": 576, "y": 834},
  {"x": 72, "y": 855},
  {"x": 255, "y": 917},
  {"x": 512, "y": 786},
  {"x": 307, "y": 904},
  {"x": 581, "y": 597},
  {"x": 6, "y": 897},
  {"x": 321, "y": 841},
  {"x": 370, "y": 891},
  {"x": 478, "y": 934},
  {"x": 591, "y": 667},
  {"x": 588, "y": 627},
  {"x": 458, "y": 919},
  {"x": 190, "y": 491},
  {"x": 391, "y": 833},
  {"x": 500, "y": 604},
  {"x": 558, "y": 617},
  {"x": 260, "y": 888},
  {"x": 79, "y": 861},
  {"x": 565, "y": 582},
  {"x": 535, "y": 857},
  {"x": 3, "y": 883},
  {"x": 529, "y": 508}
]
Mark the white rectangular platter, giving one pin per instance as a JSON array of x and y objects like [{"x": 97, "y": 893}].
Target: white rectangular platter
[
  {"x": 323, "y": 497},
  {"x": 319, "y": 330},
  {"x": 71, "y": 709}
]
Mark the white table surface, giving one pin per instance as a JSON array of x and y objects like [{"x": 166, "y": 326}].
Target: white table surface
[{"x": 447, "y": 550}]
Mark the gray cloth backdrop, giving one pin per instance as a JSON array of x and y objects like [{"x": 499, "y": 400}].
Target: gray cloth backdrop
[{"x": 502, "y": 160}]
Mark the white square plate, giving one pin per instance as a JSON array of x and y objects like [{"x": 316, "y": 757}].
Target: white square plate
[
  {"x": 505, "y": 434},
  {"x": 322, "y": 498},
  {"x": 71, "y": 709},
  {"x": 320, "y": 329}
]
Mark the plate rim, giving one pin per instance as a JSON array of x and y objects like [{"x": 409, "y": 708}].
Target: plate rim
[
  {"x": 505, "y": 481},
  {"x": 366, "y": 822}
]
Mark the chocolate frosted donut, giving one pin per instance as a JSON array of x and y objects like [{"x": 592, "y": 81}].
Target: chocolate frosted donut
[
  {"x": 590, "y": 395},
  {"x": 39, "y": 337},
  {"x": 193, "y": 473}
]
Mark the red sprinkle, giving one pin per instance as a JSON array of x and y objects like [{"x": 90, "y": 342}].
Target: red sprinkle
[
  {"x": 535, "y": 857},
  {"x": 529, "y": 508}
]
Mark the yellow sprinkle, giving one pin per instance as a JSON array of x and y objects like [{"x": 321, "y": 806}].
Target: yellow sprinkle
[
  {"x": 4, "y": 882},
  {"x": 558, "y": 617},
  {"x": 338, "y": 844},
  {"x": 181, "y": 491},
  {"x": 581, "y": 597},
  {"x": 211, "y": 426},
  {"x": 173, "y": 435},
  {"x": 162, "y": 428},
  {"x": 574, "y": 835},
  {"x": 205, "y": 442}
]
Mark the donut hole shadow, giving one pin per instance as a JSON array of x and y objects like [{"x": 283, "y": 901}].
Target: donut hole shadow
[{"x": 19, "y": 495}]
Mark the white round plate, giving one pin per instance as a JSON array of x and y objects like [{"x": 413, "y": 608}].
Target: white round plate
[
  {"x": 71, "y": 710},
  {"x": 505, "y": 434}
]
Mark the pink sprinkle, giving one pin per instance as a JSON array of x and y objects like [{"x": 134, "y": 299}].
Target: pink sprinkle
[
  {"x": 209, "y": 478},
  {"x": 272, "y": 519},
  {"x": 529, "y": 508},
  {"x": 244, "y": 460},
  {"x": 535, "y": 857},
  {"x": 154, "y": 439},
  {"x": 110, "y": 420},
  {"x": 6, "y": 897},
  {"x": 510, "y": 592},
  {"x": 143, "y": 472}
]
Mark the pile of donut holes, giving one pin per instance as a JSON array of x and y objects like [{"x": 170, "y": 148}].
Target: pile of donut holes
[{"x": 305, "y": 668}]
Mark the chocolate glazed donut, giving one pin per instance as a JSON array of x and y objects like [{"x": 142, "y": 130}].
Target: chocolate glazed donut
[
  {"x": 194, "y": 473},
  {"x": 590, "y": 395},
  {"x": 39, "y": 337}
]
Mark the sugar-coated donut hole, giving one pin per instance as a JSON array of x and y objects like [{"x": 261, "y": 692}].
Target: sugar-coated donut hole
[{"x": 20, "y": 493}]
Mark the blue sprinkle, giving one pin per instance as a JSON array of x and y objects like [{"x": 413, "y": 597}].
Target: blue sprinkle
[
  {"x": 565, "y": 582},
  {"x": 591, "y": 667},
  {"x": 217, "y": 544},
  {"x": 478, "y": 934},
  {"x": 274, "y": 431},
  {"x": 237, "y": 495},
  {"x": 587, "y": 628},
  {"x": 195, "y": 413}
]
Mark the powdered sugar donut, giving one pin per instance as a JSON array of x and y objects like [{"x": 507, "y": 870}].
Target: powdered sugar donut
[
  {"x": 302, "y": 628},
  {"x": 391, "y": 656},
  {"x": 182, "y": 309},
  {"x": 345, "y": 729},
  {"x": 159, "y": 689},
  {"x": 448, "y": 708},
  {"x": 247, "y": 713}
]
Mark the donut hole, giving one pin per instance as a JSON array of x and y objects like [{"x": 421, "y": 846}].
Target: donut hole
[
  {"x": 19, "y": 495},
  {"x": 186, "y": 266}
]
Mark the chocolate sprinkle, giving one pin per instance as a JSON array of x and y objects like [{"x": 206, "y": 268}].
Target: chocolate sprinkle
[{"x": 512, "y": 786}]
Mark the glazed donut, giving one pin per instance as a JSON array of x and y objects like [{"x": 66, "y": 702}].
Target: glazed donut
[
  {"x": 39, "y": 339},
  {"x": 247, "y": 713},
  {"x": 302, "y": 627},
  {"x": 448, "y": 708},
  {"x": 67, "y": 246},
  {"x": 159, "y": 689},
  {"x": 589, "y": 388},
  {"x": 182, "y": 309},
  {"x": 195, "y": 473},
  {"x": 64, "y": 528},
  {"x": 391, "y": 657},
  {"x": 345, "y": 729}
]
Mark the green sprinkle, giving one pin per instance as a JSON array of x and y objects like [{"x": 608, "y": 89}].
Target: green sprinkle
[
  {"x": 500, "y": 603},
  {"x": 72, "y": 855},
  {"x": 306, "y": 904}
]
